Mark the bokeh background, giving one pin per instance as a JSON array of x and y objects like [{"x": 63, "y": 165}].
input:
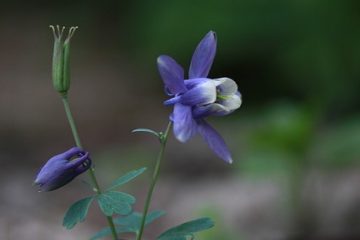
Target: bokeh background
[{"x": 295, "y": 140}]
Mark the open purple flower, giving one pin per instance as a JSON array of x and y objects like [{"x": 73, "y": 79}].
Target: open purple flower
[
  {"x": 199, "y": 96},
  {"x": 61, "y": 169}
]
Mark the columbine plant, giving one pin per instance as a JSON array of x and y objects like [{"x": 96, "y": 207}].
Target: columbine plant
[
  {"x": 63, "y": 168},
  {"x": 194, "y": 99}
]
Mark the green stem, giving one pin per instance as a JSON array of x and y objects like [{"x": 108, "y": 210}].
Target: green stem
[
  {"x": 91, "y": 171},
  {"x": 163, "y": 140}
]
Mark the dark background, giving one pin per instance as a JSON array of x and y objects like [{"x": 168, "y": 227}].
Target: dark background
[{"x": 295, "y": 140}]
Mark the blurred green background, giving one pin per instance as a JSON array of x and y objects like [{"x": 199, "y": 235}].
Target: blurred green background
[{"x": 295, "y": 140}]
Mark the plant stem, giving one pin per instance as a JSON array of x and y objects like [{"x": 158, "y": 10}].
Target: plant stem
[
  {"x": 91, "y": 171},
  {"x": 163, "y": 140}
]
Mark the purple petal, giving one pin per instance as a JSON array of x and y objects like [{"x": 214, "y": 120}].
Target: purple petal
[
  {"x": 173, "y": 100},
  {"x": 190, "y": 83},
  {"x": 203, "y": 93},
  {"x": 184, "y": 124},
  {"x": 203, "y": 56},
  {"x": 214, "y": 140},
  {"x": 83, "y": 167},
  {"x": 172, "y": 74},
  {"x": 78, "y": 161},
  {"x": 71, "y": 152},
  {"x": 214, "y": 109}
]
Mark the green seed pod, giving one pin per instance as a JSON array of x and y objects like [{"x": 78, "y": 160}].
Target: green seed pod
[{"x": 61, "y": 59}]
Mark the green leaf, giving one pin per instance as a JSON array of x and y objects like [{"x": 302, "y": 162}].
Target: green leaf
[
  {"x": 146, "y": 130},
  {"x": 102, "y": 233},
  {"x": 107, "y": 231},
  {"x": 181, "y": 232},
  {"x": 153, "y": 216},
  {"x": 77, "y": 212},
  {"x": 133, "y": 220},
  {"x": 115, "y": 203},
  {"x": 126, "y": 178},
  {"x": 128, "y": 224}
]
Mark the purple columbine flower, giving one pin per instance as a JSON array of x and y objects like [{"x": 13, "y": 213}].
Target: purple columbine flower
[
  {"x": 199, "y": 96},
  {"x": 61, "y": 169}
]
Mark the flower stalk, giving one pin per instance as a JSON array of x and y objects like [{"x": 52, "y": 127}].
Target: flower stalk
[
  {"x": 96, "y": 186},
  {"x": 163, "y": 140},
  {"x": 61, "y": 82}
]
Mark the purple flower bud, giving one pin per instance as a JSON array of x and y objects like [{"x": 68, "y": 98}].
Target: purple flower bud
[{"x": 62, "y": 168}]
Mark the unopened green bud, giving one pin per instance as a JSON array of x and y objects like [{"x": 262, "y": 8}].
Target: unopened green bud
[{"x": 61, "y": 59}]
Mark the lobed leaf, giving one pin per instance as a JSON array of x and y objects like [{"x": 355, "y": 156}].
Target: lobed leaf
[
  {"x": 107, "y": 231},
  {"x": 133, "y": 220},
  {"x": 115, "y": 203},
  {"x": 77, "y": 212},
  {"x": 128, "y": 224},
  {"x": 182, "y": 231},
  {"x": 126, "y": 178}
]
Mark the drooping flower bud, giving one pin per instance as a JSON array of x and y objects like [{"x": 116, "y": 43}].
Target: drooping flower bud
[
  {"x": 61, "y": 59},
  {"x": 62, "y": 168}
]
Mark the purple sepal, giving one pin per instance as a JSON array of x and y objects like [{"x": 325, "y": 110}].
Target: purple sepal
[
  {"x": 62, "y": 168},
  {"x": 172, "y": 101},
  {"x": 184, "y": 124},
  {"x": 214, "y": 140},
  {"x": 172, "y": 74},
  {"x": 203, "y": 56}
]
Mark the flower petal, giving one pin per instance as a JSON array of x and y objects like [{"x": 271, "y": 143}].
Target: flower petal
[
  {"x": 226, "y": 86},
  {"x": 190, "y": 83},
  {"x": 231, "y": 102},
  {"x": 78, "y": 161},
  {"x": 203, "y": 56},
  {"x": 214, "y": 109},
  {"x": 184, "y": 124},
  {"x": 214, "y": 140},
  {"x": 172, "y": 74},
  {"x": 203, "y": 93},
  {"x": 71, "y": 152},
  {"x": 83, "y": 167},
  {"x": 173, "y": 100}
]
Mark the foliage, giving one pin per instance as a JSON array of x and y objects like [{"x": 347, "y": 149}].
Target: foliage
[
  {"x": 128, "y": 224},
  {"x": 77, "y": 212},
  {"x": 110, "y": 202},
  {"x": 185, "y": 230},
  {"x": 126, "y": 178}
]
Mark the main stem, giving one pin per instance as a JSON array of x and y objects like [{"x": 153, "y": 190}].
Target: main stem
[
  {"x": 163, "y": 140},
  {"x": 91, "y": 171}
]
